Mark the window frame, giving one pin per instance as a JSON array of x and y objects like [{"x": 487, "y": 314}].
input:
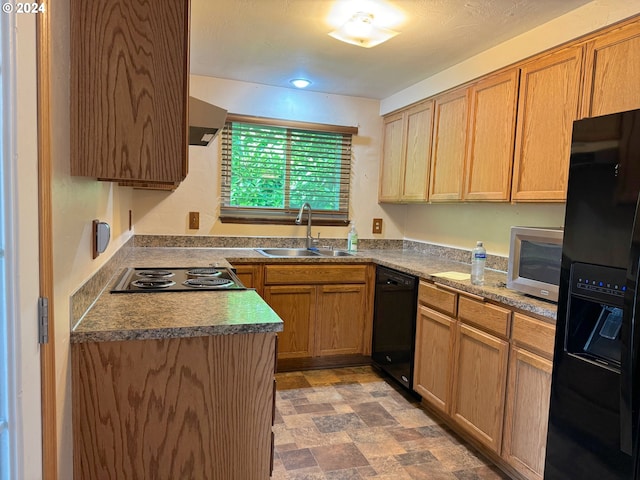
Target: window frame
[{"x": 279, "y": 216}]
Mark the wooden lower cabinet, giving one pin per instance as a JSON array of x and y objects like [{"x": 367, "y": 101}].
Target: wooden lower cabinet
[
  {"x": 198, "y": 407},
  {"x": 434, "y": 357},
  {"x": 525, "y": 432},
  {"x": 341, "y": 319},
  {"x": 296, "y": 306},
  {"x": 528, "y": 391},
  {"x": 326, "y": 309},
  {"x": 319, "y": 320},
  {"x": 479, "y": 383},
  {"x": 250, "y": 275},
  {"x": 487, "y": 370}
]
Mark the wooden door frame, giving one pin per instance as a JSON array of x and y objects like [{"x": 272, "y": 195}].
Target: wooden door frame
[{"x": 47, "y": 350}]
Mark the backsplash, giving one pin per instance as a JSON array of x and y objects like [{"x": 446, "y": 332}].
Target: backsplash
[
  {"x": 86, "y": 294},
  {"x": 494, "y": 262},
  {"x": 255, "y": 242}
]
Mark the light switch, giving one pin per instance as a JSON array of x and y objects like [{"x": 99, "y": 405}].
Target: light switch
[
  {"x": 377, "y": 225},
  {"x": 194, "y": 220}
]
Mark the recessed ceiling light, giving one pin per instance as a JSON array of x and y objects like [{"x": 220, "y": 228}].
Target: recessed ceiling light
[{"x": 300, "y": 83}]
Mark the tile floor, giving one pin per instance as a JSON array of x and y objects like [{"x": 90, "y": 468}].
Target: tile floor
[{"x": 350, "y": 424}]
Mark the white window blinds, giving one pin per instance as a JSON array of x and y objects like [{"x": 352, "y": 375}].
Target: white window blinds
[{"x": 271, "y": 167}]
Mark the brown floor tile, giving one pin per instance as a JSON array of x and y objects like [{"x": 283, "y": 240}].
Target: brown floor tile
[
  {"x": 350, "y": 424},
  {"x": 339, "y": 457},
  {"x": 296, "y": 459},
  {"x": 288, "y": 382},
  {"x": 337, "y": 423},
  {"x": 298, "y": 421},
  {"x": 405, "y": 434},
  {"x": 348, "y": 474},
  {"x": 487, "y": 472},
  {"x": 374, "y": 414},
  {"x": 314, "y": 408},
  {"x": 457, "y": 457},
  {"x": 429, "y": 471},
  {"x": 415, "y": 458},
  {"x": 312, "y": 437}
]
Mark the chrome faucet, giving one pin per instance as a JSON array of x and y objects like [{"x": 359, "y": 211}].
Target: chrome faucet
[{"x": 310, "y": 239}]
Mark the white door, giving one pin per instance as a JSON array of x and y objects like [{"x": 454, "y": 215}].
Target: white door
[{"x": 20, "y": 406}]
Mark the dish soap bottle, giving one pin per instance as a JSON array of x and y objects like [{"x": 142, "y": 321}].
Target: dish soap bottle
[
  {"x": 478, "y": 259},
  {"x": 352, "y": 239}
]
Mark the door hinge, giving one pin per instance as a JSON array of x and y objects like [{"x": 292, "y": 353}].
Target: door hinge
[{"x": 43, "y": 320}]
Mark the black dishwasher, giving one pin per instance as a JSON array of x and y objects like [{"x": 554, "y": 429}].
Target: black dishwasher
[{"x": 394, "y": 324}]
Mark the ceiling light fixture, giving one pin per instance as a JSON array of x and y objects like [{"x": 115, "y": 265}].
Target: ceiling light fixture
[
  {"x": 360, "y": 30},
  {"x": 300, "y": 83}
]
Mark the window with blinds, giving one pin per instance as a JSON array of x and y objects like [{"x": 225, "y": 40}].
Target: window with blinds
[{"x": 271, "y": 167}]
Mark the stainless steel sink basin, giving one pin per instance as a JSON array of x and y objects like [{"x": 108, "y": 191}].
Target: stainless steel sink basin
[
  {"x": 301, "y": 252},
  {"x": 334, "y": 253},
  {"x": 287, "y": 252}
]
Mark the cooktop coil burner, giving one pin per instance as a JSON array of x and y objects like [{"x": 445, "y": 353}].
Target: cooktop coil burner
[
  {"x": 154, "y": 273},
  {"x": 152, "y": 282},
  {"x": 204, "y": 272},
  {"x": 208, "y": 282},
  {"x": 147, "y": 280}
]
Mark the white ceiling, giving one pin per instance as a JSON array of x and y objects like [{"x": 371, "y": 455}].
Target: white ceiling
[{"x": 272, "y": 41}]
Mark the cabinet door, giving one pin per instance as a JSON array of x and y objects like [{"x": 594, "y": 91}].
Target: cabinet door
[
  {"x": 449, "y": 145},
  {"x": 612, "y": 72},
  {"x": 547, "y": 107},
  {"x": 341, "y": 317},
  {"x": 249, "y": 275},
  {"x": 415, "y": 184},
  {"x": 296, "y": 305},
  {"x": 527, "y": 411},
  {"x": 433, "y": 358},
  {"x": 492, "y": 128},
  {"x": 129, "y": 89},
  {"x": 479, "y": 383},
  {"x": 392, "y": 157}
]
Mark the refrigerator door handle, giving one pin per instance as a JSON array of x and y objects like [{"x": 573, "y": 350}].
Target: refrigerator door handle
[{"x": 629, "y": 345}]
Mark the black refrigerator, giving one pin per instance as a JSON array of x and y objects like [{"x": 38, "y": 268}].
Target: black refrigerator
[{"x": 593, "y": 415}]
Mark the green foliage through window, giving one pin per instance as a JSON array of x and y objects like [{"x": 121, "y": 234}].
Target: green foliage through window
[{"x": 271, "y": 171}]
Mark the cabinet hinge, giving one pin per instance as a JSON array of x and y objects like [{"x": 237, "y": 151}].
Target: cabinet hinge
[{"x": 43, "y": 320}]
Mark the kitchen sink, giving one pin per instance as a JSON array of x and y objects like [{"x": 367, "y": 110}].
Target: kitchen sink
[
  {"x": 287, "y": 252},
  {"x": 301, "y": 252},
  {"x": 334, "y": 253}
]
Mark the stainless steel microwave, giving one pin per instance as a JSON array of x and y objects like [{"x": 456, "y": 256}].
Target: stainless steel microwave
[{"x": 535, "y": 256}]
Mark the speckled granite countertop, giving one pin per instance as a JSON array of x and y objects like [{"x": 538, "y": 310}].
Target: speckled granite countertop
[
  {"x": 158, "y": 315},
  {"x": 184, "y": 314},
  {"x": 421, "y": 265}
]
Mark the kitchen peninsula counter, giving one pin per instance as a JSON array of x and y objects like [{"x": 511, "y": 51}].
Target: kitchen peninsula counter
[{"x": 158, "y": 315}]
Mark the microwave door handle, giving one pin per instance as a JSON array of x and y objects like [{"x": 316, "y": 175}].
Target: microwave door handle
[{"x": 629, "y": 338}]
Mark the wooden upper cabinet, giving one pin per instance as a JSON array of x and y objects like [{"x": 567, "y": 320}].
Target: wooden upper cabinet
[
  {"x": 129, "y": 89},
  {"x": 612, "y": 66},
  {"x": 391, "y": 166},
  {"x": 415, "y": 175},
  {"x": 492, "y": 126},
  {"x": 449, "y": 145},
  {"x": 406, "y": 151},
  {"x": 547, "y": 107}
]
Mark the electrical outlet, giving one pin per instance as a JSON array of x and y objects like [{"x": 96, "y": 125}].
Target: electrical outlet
[
  {"x": 194, "y": 220},
  {"x": 377, "y": 225}
]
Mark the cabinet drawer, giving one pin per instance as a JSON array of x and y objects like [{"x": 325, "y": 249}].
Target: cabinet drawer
[
  {"x": 439, "y": 299},
  {"x": 534, "y": 334},
  {"x": 489, "y": 317},
  {"x": 311, "y": 274}
]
